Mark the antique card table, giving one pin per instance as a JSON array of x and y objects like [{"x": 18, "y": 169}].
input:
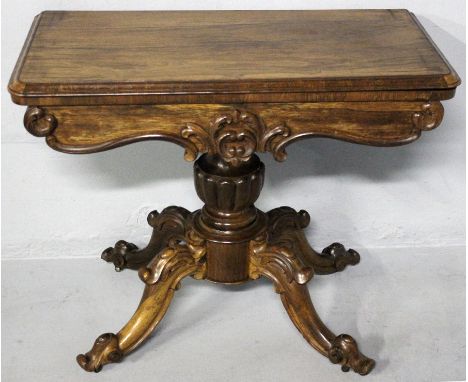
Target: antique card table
[{"x": 225, "y": 85}]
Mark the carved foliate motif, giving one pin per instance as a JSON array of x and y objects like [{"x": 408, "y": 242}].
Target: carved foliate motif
[
  {"x": 177, "y": 255},
  {"x": 198, "y": 141},
  {"x": 234, "y": 137},
  {"x": 264, "y": 256},
  {"x": 231, "y": 133}
]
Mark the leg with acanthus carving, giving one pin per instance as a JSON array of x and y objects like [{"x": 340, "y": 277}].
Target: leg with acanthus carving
[
  {"x": 168, "y": 225},
  {"x": 162, "y": 277},
  {"x": 290, "y": 275},
  {"x": 286, "y": 228}
]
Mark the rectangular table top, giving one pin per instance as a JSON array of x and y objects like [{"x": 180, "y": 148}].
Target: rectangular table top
[{"x": 97, "y": 57}]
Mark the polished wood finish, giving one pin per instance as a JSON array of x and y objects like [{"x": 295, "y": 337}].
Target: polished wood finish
[
  {"x": 199, "y": 128},
  {"x": 162, "y": 277},
  {"x": 224, "y": 86},
  {"x": 289, "y": 273},
  {"x": 229, "y": 241},
  {"x": 161, "y": 57},
  {"x": 229, "y": 219},
  {"x": 286, "y": 230},
  {"x": 169, "y": 225}
]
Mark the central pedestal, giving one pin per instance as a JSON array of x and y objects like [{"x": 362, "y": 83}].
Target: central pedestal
[
  {"x": 229, "y": 220},
  {"x": 228, "y": 241}
]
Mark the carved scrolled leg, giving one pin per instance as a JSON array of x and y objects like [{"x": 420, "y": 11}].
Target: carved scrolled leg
[
  {"x": 168, "y": 225},
  {"x": 286, "y": 228},
  {"x": 162, "y": 277},
  {"x": 289, "y": 274}
]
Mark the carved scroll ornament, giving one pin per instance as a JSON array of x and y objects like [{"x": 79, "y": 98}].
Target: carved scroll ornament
[
  {"x": 429, "y": 117},
  {"x": 39, "y": 122},
  {"x": 263, "y": 257},
  {"x": 344, "y": 351},
  {"x": 105, "y": 350},
  {"x": 178, "y": 255},
  {"x": 234, "y": 137},
  {"x": 233, "y": 134}
]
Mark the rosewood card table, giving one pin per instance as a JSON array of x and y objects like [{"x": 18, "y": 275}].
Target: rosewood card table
[{"x": 225, "y": 85}]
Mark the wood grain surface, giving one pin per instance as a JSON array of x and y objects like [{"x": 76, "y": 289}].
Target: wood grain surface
[
  {"x": 225, "y": 85},
  {"x": 164, "y": 57},
  {"x": 86, "y": 129}
]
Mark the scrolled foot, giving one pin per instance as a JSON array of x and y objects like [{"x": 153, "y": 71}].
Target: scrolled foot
[
  {"x": 168, "y": 225},
  {"x": 340, "y": 256},
  {"x": 289, "y": 273},
  {"x": 162, "y": 277},
  {"x": 118, "y": 254},
  {"x": 105, "y": 350},
  {"x": 344, "y": 351},
  {"x": 286, "y": 229}
]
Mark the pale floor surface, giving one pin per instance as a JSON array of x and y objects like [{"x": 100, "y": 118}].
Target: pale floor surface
[{"x": 405, "y": 307}]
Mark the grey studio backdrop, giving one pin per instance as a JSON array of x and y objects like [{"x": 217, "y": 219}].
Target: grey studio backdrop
[{"x": 383, "y": 201}]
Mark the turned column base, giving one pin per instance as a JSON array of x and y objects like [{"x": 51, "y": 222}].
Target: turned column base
[
  {"x": 280, "y": 252},
  {"x": 228, "y": 241}
]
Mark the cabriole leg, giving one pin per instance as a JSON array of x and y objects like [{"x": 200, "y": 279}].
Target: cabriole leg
[
  {"x": 162, "y": 277},
  {"x": 290, "y": 275}
]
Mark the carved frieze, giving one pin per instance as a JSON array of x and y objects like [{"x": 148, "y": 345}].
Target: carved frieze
[{"x": 234, "y": 133}]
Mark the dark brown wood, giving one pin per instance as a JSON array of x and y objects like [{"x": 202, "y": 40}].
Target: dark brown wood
[
  {"x": 73, "y": 58},
  {"x": 229, "y": 185},
  {"x": 225, "y": 85},
  {"x": 227, "y": 263},
  {"x": 169, "y": 225},
  {"x": 286, "y": 230}
]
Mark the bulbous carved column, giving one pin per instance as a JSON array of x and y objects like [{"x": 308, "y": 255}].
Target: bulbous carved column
[{"x": 229, "y": 218}]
